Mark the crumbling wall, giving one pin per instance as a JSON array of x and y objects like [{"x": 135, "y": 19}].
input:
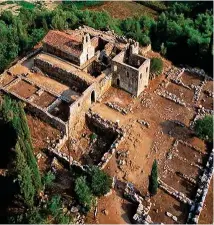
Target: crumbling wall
[
  {"x": 82, "y": 105},
  {"x": 41, "y": 113}
]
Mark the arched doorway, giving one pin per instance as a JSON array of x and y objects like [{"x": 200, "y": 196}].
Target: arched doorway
[
  {"x": 118, "y": 82},
  {"x": 93, "y": 96}
]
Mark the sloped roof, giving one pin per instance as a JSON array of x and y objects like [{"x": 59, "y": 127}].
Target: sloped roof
[{"x": 71, "y": 44}]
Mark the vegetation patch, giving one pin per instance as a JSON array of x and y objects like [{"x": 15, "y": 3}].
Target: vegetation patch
[{"x": 204, "y": 128}]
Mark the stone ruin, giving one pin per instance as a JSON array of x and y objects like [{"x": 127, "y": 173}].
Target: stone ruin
[
  {"x": 203, "y": 187},
  {"x": 143, "y": 205}
]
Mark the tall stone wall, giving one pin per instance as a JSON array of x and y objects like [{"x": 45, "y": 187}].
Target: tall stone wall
[
  {"x": 125, "y": 77},
  {"x": 143, "y": 80},
  {"x": 61, "y": 54},
  {"x": 82, "y": 105},
  {"x": 62, "y": 75}
]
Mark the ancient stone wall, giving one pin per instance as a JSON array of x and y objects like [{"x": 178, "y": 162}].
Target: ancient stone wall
[
  {"x": 41, "y": 113},
  {"x": 89, "y": 96},
  {"x": 125, "y": 77},
  {"x": 133, "y": 75},
  {"x": 143, "y": 79},
  {"x": 203, "y": 188},
  {"x": 61, "y": 54},
  {"x": 62, "y": 75}
]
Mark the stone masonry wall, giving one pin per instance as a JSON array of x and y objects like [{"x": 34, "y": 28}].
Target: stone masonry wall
[
  {"x": 82, "y": 105},
  {"x": 62, "y": 75}
]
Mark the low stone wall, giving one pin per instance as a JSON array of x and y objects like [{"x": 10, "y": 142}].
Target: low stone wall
[
  {"x": 108, "y": 127},
  {"x": 203, "y": 188},
  {"x": 144, "y": 205},
  {"x": 178, "y": 195},
  {"x": 172, "y": 97},
  {"x": 42, "y": 114},
  {"x": 116, "y": 107},
  {"x": 198, "y": 72}
]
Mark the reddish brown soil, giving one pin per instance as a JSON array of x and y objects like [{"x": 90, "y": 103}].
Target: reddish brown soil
[
  {"x": 206, "y": 101},
  {"x": 181, "y": 92},
  {"x": 208, "y": 86},
  {"x": 206, "y": 216},
  {"x": 181, "y": 184},
  {"x": 24, "y": 89},
  {"x": 163, "y": 203},
  {"x": 189, "y": 78},
  {"x": 190, "y": 154},
  {"x": 7, "y": 79},
  {"x": 183, "y": 167},
  {"x": 39, "y": 132},
  {"x": 44, "y": 100},
  {"x": 119, "y": 210}
]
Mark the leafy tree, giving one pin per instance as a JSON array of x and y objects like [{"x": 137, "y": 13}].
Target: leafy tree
[
  {"x": 83, "y": 192},
  {"x": 48, "y": 179},
  {"x": 24, "y": 178},
  {"x": 153, "y": 179},
  {"x": 99, "y": 181},
  {"x": 204, "y": 128},
  {"x": 156, "y": 65}
]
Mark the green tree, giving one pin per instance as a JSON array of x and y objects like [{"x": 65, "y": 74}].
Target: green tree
[
  {"x": 204, "y": 128},
  {"x": 83, "y": 192},
  {"x": 24, "y": 178},
  {"x": 156, "y": 65},
  {"x": 99, "y": 181},
  {"x": 153, "y": 179},
  {"x": 48, "y": 179}
]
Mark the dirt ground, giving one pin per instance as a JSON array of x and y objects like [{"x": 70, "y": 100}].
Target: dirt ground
[
  {"x": 146, "y": 144},
  {"x": 122, "y": 10},
  {"x": 39, "y": 132},
  {"x": 205, "y": 217},
  {"x": 44, "y": 100},
  {"x": 24, "y": 89}
]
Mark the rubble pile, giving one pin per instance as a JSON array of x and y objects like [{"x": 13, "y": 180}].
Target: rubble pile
[
  {"x": 199, "y": 72},
  {"x": 172, "y": 217},
  {"x": 172, "y": 97},
  {"x": 204, "y": 183},
  {"x": 116, "y": 107},
  {"x": 178, "y": 195},
  {"x": 121, "y": 157},
  {"x": 144, "y": 205},
  {"x": 144, "y": 123}
]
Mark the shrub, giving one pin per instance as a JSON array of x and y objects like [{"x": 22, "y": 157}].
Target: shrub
[
  {"x": 100, "y": 182},
  {"x": 48, "y": 179},
  {"x": 93, "y": 137},
  {"x": 204, "y": 128},
  {"x": 156, "y": 65},
  {"x": 153, "y": 179},
  {"x": 83, "y": 192}
]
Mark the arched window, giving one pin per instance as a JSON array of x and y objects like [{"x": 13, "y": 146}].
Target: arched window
[{"x": 92, "y": 96}]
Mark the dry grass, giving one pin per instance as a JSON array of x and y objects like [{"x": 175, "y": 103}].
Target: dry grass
[{"x": 122, "y": 10}]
